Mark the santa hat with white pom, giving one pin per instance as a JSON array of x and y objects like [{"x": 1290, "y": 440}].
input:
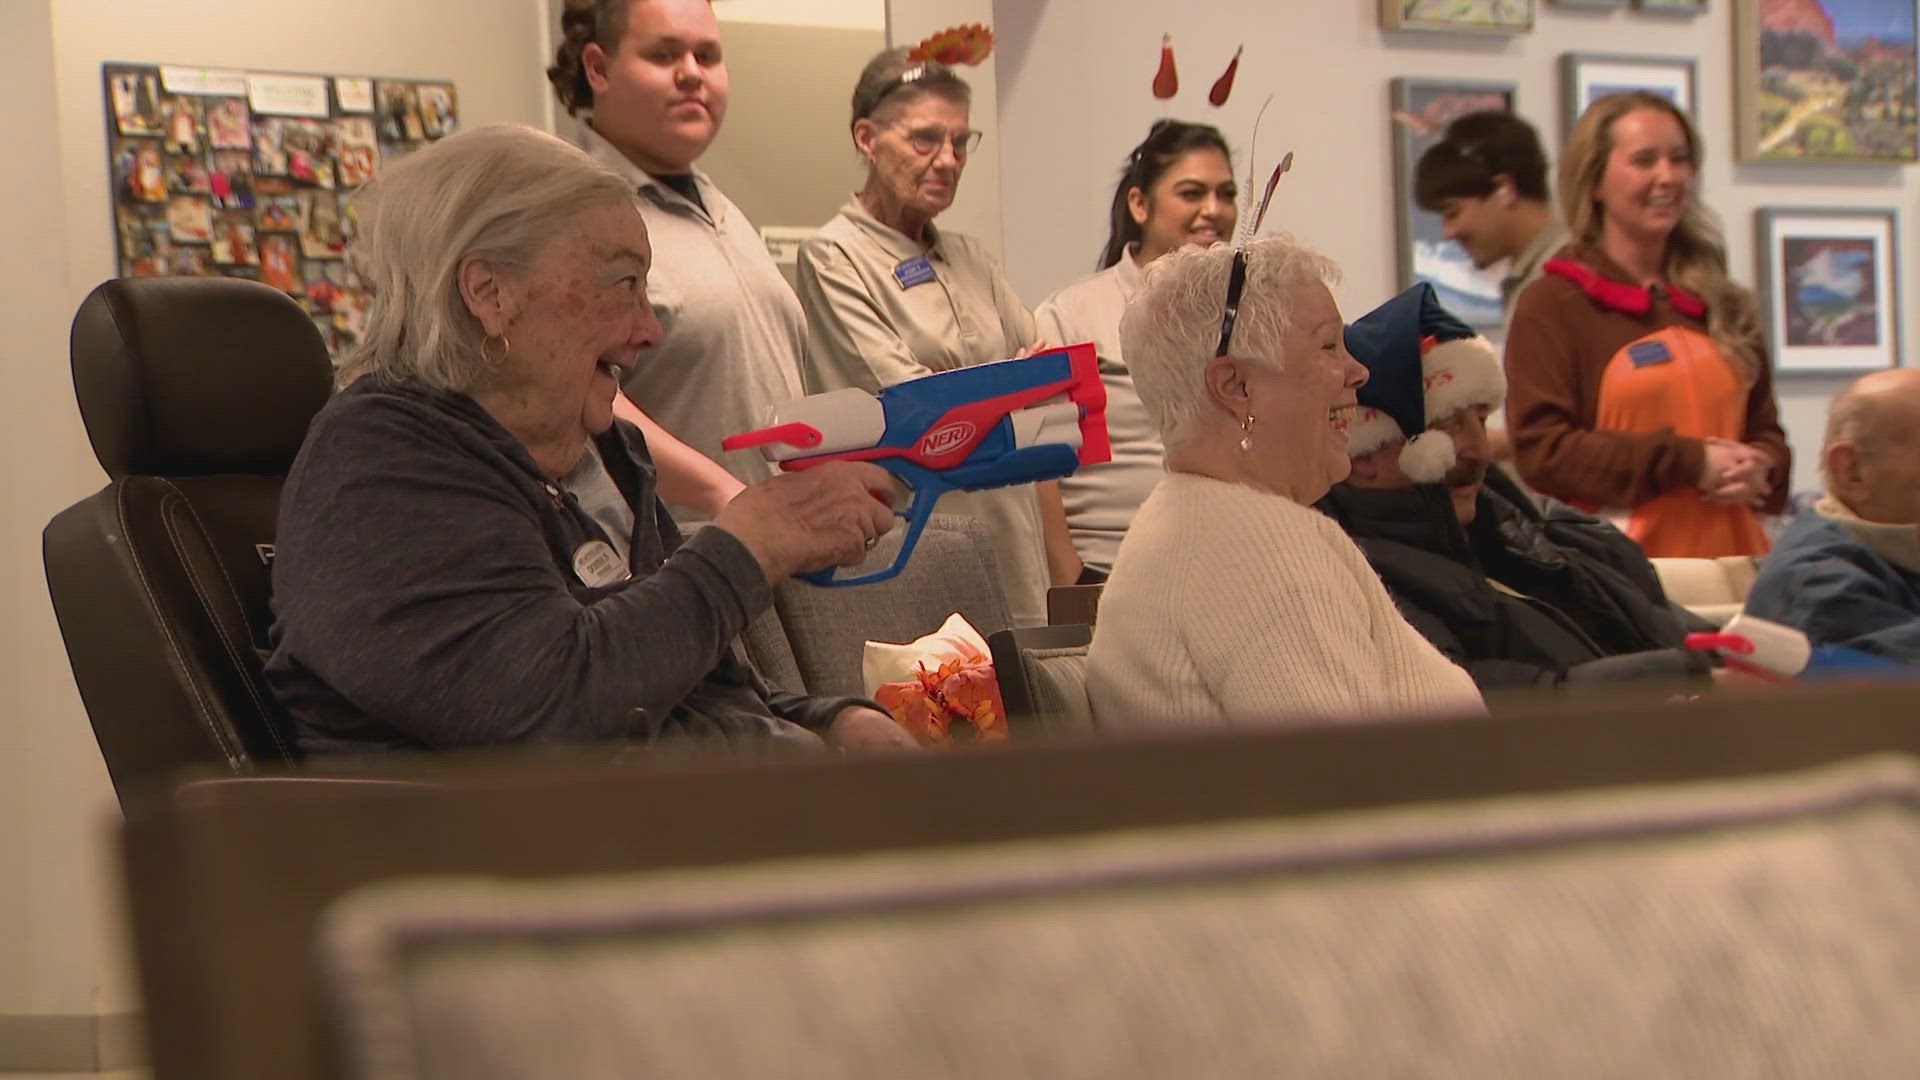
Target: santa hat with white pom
[{"x": 1424, "y": 365}]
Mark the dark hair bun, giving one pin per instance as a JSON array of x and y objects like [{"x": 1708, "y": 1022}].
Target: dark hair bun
[{"x": 569, "y": 73}]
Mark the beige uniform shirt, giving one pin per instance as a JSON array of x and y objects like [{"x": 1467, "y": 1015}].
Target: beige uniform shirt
[
  {"x": 1527, "y": 266},
  {"x": 1101, "y": 499},
  {"x": 867, "y": 329},
  {"x": 734, "y": 332}
]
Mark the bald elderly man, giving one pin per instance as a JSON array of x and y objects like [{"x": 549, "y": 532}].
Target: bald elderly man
[{"x": 1847, "y": 571}]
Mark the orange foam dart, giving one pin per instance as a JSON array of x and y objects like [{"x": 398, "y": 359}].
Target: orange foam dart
[
  {"x": 968, "y": 44},
  {"x": 1166, "y": 81},
  {"x": 1223, "y": 86}
]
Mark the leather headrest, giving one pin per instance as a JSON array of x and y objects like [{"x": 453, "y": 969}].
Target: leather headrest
[{"x": 190, "y": 376}]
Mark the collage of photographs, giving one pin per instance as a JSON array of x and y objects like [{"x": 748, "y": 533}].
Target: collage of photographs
[{"x": 247, "y": 174}]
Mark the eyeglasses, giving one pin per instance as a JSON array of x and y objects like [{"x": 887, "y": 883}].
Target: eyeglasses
[
  {"x": 1236, "y": 284},
  {"x": 926, "y": 141},
  {"x": 1237, "y": 274}
]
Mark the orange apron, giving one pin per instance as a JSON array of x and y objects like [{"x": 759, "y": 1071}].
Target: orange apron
[{"x": 1677, "y": 379}]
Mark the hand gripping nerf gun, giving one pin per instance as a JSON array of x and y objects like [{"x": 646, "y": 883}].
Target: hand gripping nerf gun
[
  {"x": 1011, "y": 422},
  {"x": 1781, "y": 654}
]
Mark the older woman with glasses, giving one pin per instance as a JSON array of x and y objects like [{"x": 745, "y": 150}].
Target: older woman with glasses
[
  {"x": 1232, "y": 600},
  {"x": 889, "y": 297}
]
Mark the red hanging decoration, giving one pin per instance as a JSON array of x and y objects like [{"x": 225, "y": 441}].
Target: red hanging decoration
[
  {"x": 955, "y": 45},
  {"x": 1166, "y": 81},
  {"x": 1223, "y": 86}
]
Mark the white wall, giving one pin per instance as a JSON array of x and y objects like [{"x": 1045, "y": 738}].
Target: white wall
[
  {"x": 976, "y": 210},
  {"x": 833, "y": 14},
  {"x": 60, "y": 956},
  {"x": 1074, "y": 81},
  {"x": 54, "y": 798}
]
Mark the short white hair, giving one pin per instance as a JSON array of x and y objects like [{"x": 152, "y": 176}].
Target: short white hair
[
  {"x": 1172, "y": 325},
  {"x": 501, "y": 192}
]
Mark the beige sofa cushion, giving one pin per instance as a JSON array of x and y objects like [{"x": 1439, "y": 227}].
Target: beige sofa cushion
[
  {"x": 1724, "y": 929},
  {"x": 1714, "y": 589}
]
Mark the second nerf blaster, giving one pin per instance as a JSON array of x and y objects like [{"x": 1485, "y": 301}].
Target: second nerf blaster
[
  {"x": 1011, "y": 422},
  {"x": 1776, "y": 653}
]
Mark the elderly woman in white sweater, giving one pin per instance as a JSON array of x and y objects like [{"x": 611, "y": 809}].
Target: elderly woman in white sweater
[{"x": 1232, "y": 600}]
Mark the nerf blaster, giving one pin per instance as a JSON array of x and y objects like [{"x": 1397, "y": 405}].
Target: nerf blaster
[
  {"x": 988, "y": 426},
  {"x": 1781, "y": 654}
]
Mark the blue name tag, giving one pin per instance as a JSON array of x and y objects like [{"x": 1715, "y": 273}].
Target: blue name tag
[
  {"x": 1649, "y": 353},
  {"x": 915, "y": 271}
]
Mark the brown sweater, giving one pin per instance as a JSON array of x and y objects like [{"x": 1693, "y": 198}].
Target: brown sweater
[{"x": 1612, "y": 391}]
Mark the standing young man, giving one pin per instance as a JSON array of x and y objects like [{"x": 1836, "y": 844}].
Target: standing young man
[{"x": 654, "y": 78}]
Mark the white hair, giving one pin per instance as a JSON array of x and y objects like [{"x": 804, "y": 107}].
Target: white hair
[
  {"x": 1172, "y": 325},
  {"x": 499, "y": 192}
]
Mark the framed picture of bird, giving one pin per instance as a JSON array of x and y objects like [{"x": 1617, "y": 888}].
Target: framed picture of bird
[{"x": 1830, "y": 287}]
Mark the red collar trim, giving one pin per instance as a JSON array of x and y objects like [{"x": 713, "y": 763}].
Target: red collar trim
[{"x": 1629, "y": 299}]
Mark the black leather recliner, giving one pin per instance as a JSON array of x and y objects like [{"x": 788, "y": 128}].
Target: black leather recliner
[{"x": 196, "y": 393}]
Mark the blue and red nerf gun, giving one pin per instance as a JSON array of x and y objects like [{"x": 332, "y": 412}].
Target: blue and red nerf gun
[{"x": 1011, "y": 422}]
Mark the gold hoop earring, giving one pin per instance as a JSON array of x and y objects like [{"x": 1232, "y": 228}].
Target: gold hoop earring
[
  {"x": 1246, "y": 433},
  {"x": 487, "y": 354}
]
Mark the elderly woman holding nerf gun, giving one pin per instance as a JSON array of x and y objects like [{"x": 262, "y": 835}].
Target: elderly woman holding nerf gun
[{"x": 471, "y": 549}]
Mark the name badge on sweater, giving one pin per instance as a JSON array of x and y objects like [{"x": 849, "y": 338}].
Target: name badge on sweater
[
  {"x": 1649, "y": 353},
  {"x": 915, "y": 271},
  {"x": 597, "y": 566}
]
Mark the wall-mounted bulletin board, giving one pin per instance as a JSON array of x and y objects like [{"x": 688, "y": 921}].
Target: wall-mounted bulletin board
[{"x": 247, "y": 173}]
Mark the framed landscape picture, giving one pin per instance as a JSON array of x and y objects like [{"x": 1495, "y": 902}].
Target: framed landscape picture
[
  {"x": 1672, "y": 7},
  {"x": 1830, "y": 288},
  {"x": 1422, "y": 109},
  {"x": 1586, "y": 76},
  {"x": 1467, "y": 16},
  {"x": 1826, "y": 80}
]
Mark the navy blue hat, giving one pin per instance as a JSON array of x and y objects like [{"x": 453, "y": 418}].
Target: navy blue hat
[{"x": 1423, "y": 365}]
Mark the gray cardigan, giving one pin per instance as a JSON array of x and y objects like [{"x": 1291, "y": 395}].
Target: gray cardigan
[{"x": 424, "y": 595}]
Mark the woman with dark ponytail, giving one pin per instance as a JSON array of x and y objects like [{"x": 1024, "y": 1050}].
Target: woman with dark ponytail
[{"x": 1176, "y": 188}]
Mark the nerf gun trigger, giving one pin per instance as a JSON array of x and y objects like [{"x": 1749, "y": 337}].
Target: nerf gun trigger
[{"x": 927, "y": 490}]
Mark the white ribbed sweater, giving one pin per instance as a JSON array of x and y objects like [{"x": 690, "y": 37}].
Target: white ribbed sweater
[{"x": 1234, "y": 606}]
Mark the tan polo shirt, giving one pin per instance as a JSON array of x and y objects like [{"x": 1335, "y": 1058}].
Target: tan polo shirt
[
  {"x": 734, "y": 332},
  {"x": 1101, "y": 499},
  {"x": 1527, "y": 266},
  {"x": 948, "y": 307}
]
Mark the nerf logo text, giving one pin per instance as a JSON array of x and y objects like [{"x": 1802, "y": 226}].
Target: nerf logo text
[{"x": 947, "y": 438}]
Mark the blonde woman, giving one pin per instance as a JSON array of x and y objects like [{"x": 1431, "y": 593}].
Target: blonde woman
[{"x": 1637, "y": 380}]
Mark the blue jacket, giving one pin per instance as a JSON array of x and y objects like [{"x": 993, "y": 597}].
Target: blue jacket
[{"x": 1821, "y": 580}]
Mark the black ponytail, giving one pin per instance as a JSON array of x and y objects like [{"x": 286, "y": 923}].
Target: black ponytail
[{"x": 1166, "y": 143}]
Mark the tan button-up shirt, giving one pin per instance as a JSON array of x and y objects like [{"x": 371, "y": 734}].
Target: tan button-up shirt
[
  {"x": 871, "y": 327},
  {"x": 735, "y": 334},
  {"x": 1102, "y": 499}
]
